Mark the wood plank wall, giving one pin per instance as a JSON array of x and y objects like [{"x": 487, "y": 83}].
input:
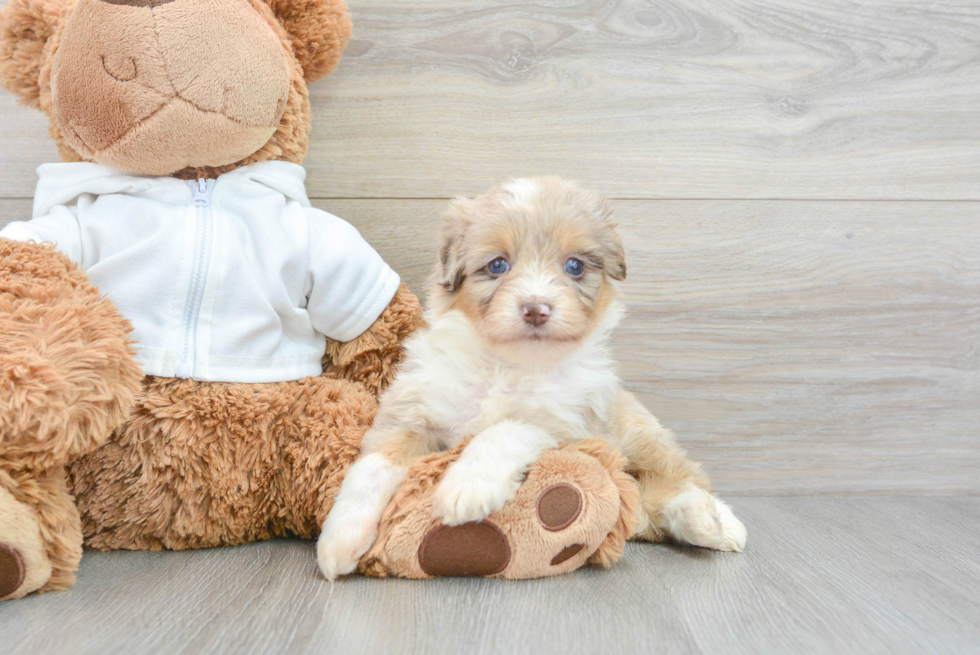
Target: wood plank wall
[{"x": 798, "y": 184}]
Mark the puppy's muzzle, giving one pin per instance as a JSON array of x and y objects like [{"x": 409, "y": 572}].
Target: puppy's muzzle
[{"x": 535, "y": 313}]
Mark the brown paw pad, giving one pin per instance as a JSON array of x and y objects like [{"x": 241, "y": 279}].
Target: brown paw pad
[
  {"x": 468, "y": 549},
  {"x": 11, "y": 570},
  {"x": 559, "y": 506},
  {"x": 567, "y": 553}
]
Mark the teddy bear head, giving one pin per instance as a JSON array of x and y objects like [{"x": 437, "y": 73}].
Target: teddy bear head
[{"x": 191, "y": 88}]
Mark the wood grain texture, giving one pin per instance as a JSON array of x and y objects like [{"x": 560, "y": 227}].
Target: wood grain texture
[
  {"x": 820, "y": 575},
  {"x": 691, "y": 98},
  {"x": 795, "y": 347}
]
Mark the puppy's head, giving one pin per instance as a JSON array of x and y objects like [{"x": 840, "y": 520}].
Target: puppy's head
[{"x": 531, "y": 262}]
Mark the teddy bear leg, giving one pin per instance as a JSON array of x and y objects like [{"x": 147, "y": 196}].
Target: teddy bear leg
[
  {"x": 576, "y": 506},
  {"x": 204, "y": 464},
  {"x": 40, "y": 534},
  {"x": 327, "y": 440},
  {"x": 67, "y": 379},
  {"x": 24, "y": 567}
]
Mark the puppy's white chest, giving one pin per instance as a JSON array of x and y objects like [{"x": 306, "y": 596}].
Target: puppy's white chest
[
  {"x": 558, "y": 401},
  {"x": 466, "y": 388}
]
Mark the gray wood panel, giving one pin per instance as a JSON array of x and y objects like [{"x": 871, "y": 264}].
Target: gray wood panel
[
  {"x": 25, "y": 146},
  {"x": 820, "y": 575},
  {"x": 693, "y": 99},
  {"x": 795, "y": 347}
]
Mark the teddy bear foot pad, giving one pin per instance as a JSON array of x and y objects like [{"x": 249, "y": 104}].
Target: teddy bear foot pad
[
  {"x": 480, "y": 549},
  {"x": 12, "y": 570}
]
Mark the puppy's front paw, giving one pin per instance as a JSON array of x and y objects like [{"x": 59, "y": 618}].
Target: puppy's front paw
[
  {"x": 462, "y": 498},
  {"x": 698, "y": 518},
  {"x": 341, "y": 545}
]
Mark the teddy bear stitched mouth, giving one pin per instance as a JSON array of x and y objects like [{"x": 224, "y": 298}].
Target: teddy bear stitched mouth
[
  {"x": 149, "y": 4},
  {"x": 143, "y": 121}
]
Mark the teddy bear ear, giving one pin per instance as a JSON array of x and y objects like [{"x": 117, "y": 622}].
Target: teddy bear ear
[
  {"x": 25, "y": 27},
  {"x": 318, "y": 30}
]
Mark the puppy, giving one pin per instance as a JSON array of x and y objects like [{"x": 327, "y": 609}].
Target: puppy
[{"x": 522, "y": 304}]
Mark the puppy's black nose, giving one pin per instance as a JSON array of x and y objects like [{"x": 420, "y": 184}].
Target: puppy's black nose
[{"x": 535, "y": 313}]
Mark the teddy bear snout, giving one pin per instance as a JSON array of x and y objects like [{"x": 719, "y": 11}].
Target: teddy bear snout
[
  {"x": 132, "y": 77},
  {"x": 210, "y": 69}
]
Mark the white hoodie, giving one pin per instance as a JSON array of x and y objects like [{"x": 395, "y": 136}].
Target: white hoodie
[{"x": 236, "y": 279}]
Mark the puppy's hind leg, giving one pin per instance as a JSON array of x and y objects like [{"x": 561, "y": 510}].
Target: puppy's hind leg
[{"x": 675, "y": 498}]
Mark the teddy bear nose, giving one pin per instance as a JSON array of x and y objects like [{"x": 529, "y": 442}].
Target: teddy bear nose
[
  {"x": 535, "y": 313},
  {"x": 138, "y": 3}
]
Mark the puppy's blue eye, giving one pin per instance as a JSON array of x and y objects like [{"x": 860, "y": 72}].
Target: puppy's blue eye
[
  {"x": 574, "y": 267},
  {"x": 499, "y": 266}
]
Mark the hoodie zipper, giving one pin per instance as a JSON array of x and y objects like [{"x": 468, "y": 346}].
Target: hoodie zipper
[{"x": 203, "y": 235}]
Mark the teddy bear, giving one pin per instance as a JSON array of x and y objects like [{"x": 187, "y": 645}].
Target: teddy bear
[{"x": 190, "y": 352}]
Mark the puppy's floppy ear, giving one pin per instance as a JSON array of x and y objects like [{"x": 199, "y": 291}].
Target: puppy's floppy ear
[
  {"x": 318, "y": 29},
  {"x": 450, "y": 271},
  {"x": 613, "y": 254},
  {"x": 25, "y": 27}
]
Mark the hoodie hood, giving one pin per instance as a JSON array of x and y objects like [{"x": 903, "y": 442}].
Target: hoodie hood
[{"x": 63, "y": 183}]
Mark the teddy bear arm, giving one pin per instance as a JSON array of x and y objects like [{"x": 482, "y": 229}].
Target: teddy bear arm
[
  {"x": 371, "y": 358},
  {"x": 68, "y": 376}
]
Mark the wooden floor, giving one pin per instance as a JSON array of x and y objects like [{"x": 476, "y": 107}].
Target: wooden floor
[
  {"x": 882, "y": 574},
  {"x": 798, "y": 183}
]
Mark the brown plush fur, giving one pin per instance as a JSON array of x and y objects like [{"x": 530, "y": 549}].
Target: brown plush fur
[
  {"x": 366, "y": 360},
  {"x": 67, "y": 375},
  {"x": 202, "y": 464},
  {"x": 26, "y": 27},
  {"x": 318, "y": 31},
  {"x": 612, "y": 547}
]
